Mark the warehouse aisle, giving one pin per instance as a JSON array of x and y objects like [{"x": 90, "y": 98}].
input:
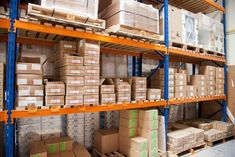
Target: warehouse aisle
[{"x": 224, "y": 150}]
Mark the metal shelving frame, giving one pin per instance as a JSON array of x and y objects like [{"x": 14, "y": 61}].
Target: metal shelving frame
[{"x": 13, "y": 24}]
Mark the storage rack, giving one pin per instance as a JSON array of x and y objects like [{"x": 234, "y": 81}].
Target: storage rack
[{"x": 12, "y": 25}]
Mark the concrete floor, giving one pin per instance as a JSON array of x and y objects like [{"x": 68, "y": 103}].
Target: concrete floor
[{"x": 223, "y": 150}]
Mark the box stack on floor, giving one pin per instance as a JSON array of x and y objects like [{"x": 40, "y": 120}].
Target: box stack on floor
[
  {"x": 29, "y": 83},
  {"x": 55, "y": 92},
  {"x": 219, "y": 81},
  {"x": 107, "y": 92},
  {"x": 90, "y": 50},
  {"x": 138, "y": 88},
  {"x": 70, "y": 70},
  {"x": 123, "y": 90},
  {"x": 2, "y": 83}
]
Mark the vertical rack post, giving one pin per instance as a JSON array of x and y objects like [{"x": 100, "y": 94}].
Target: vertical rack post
[
  {"x": 166, "y": 66},
  {"x": 10, "y": 79},
  {"x": 224, "y": 109}
]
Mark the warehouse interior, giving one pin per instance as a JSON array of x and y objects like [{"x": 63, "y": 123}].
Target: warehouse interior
[{"x": 117, "y": 78}]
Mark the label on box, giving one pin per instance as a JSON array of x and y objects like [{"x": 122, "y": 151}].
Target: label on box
[
  {"x": 74, "y": 101},
  {"x": 39, "y": 92},
  {"x": 92, "y": 52},
  {"x": 74, "y": 92},
  {"x": 108, "y": 99},
  {"x": 75, "y": 61},
  {"x": 90, "y": 100},
  {"x": 76, "y": 82},
  {"x": 24, "y": 92},
  {"x": 91, "y": 71},
  {"x": 91, "y": 62},
  {"x": 37, "y": 81},
  {"x": 22, "y": 66},
  {"x": 68, "y": 46},
  {"x": 75, "y": 71},
  {"x": 91, "y": 91},
  {"x": 21, "y": 81},
  {"x": 54, "y": 90},
  {"x": 91, "y": 81},
  {"x": 55, "y": 101},
  {"x": 36, "y": 66}
]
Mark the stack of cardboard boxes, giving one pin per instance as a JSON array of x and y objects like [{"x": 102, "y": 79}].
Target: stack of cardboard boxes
[
  {"x": 153, "y": 94},
  {"x": 225, "y": 128},
  {"x": 29, "y": 82},
  {"x": 55, "y": 92},
  {"x": 128, "y": 125},
  {"x": 2, "y": 79},
  {"x": 199, "y": 81},
  {"x": 123, "y": 90},
  {"x": 107, "y": 93},
  {"x": 180, "y": 85},
  {"x": 148, "y": 128},
  {"x": 90, "y": 50},
  {"x": 138, "y": 88},
  {"x": 209, "y": 73},
  {"x": 219, "y": 81}
]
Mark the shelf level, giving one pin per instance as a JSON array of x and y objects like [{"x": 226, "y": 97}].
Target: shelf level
[
  {"x": 193, "y": 100},
  {"x": 85, "y": 109},
  {"x": 3, "y": 116}
]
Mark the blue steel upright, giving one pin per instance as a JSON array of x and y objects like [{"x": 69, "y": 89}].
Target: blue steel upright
[
  {"x": 166, "y": 66},
  {"x": 10, "y": 79},
  {"x": 224, "y": 109}
]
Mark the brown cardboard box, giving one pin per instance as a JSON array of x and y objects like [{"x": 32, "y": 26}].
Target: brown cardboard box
[
  {"x": 124, "y": 145},
  {"x": 67, "y": 154},
  {"x": 153, "y": 94},
  {"x": 128, "y": 132},
  {"x": 191, "y": 91},
  {"x": 128, "y": 123},
  {"x": 180, "y": 76},
  {"x": 54, "y": 100},
  {"x": 207, "y": 70},
  {"x": 148, "y": 115},
  {"x": 106, "y": 85},
  {"x": 70, "y": 60},
  {"x": 92, "y": 80},
  {"x": 219, "y": 72},
  {"x": 88, "y": 47},
  {"x": 26, "y": 101},
  {"x": 138, "y": 80},
  {"x": 91, "y": 70},
  {"x": 219, "y": 86},
  {"x": 73, "y": 80},
  {"x": 134, "y": 153},
  {"x": 139, "y": 143},
  {"x": 201, "y": 92},
  {"x": 67, "y": 45},
  {"x": 220, "y": 92},
  {"x": 182, "y": 71},
  {"x": 66, "y": 144},
  {"x": 151, "y": 136},
  {"x": 123, "y": 97},
  {"x": 148, "y": 125},
  {"x": 62, "y": 53},
  {"x": 106, "y": 141},
  {"x": 28, "y": 65},
  {"x": 74, "y": 90},
  {"x": 211, "y": 135},
  {"x": 129, "y": 114},
  {"x": 91, "y": 89},
  {"x": 202, "y": 124},
  {"x": 28, "y": 79},
  {"x": 53, "y": 145},
  {"x": 180, "y": 89},
  {"x": 79, "y": 150},
  {"x": 210, "y": 78},
  {"x": 72, "y": 70},
  {"x": 123, "y": 88},
  {"x": 138, "y": 88},
  {"x": 197, "y": 78},
  {"x": 73, "y": 100},
  {"x": 91, "y": 61},
  {"x": 55, "y": 88},
  {"x": 180, "y": 94},
  {"x": 107, "y": 98},
  {"x": 25, "y": 90},
  {"x": 91, "y": 99},
  {"x": 219, "y": 80},
  {"x": 222, "y": 126},
  {"x": 138, "y": 96},
  {"x": 38, "y": 149}
]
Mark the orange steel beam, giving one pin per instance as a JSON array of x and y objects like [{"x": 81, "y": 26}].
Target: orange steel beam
[
  {"x": 194, "y": 55},
  {"x": 191, "y": 100},
  {"x": 4, "y": 23},
  {"x": 215, "y": 5},
  {"x": 85, "y": 35},
  {"x": 85, "y": 109},
  {"x": 3, "y": 116}
]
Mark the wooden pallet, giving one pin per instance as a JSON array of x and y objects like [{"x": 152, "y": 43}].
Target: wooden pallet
[
  {"x": 126, "y": 31},
  {"x": 37, "y": 12},
  {"x": 211, "y": 53},
  {"x": 95, "y": 153},
  {"x": 220, "y": 141},
  {"x": 184, "y": 47},
  {"x": 188, "y": 152}
]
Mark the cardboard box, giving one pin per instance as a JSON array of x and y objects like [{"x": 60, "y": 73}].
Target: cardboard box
[
  {"x": 92, "y": 80},
  {"x": 211, "y": 135},
  {"x": 25, "y": 90},
  {"x": 70, "y": 60},
  {"x": 91, "y": 90},
  {"x": 54, "y": 100},
  {"x": 181, "y": 76},
  {"x": 27, "y": 101},
  {"x": 73, "y": 100},
  {"x": 191, "y": 91},
  {"x": 123, "y": 97},
  {"x": 38, "y": 149},
  {"x": 66, "y": 144},
  {"x": 138, "y": 96},
  {"x": 74, "y": 90},
  {"x": 219, "y": 92},
  {"x": 222, "y": 126},
  {"x": 153, "y": 94},
  {"x": 139, "y": 144},
  {"x": 88, "y": 47},
  {"x": 148, "y": 115},
  {"x": 128, "y": 132},
  {"x": 201, "y": 92},
  {"x": 180, "y": 89},
  {"x": 148, "y": 125},
  {"x": 134, "y": 153},
  {"x": 207, "y": 70},
  {"x": 67, "y": 45},
  {"x": 129, "y": 114},
  {"x": 106, "y": 141},
  {"x": 106, "y": 85},
  {"x": 79, "y": 150},
  {"x": 124, "y": 145},
  {"x": 55, "y": 88},
  {"x": 121, "y": 86},
  {"x": 92, "y": 70},
  {"x": 73, "y": 80},
  {"x": 219, "y": 72},
  {"x": 91, "y": 99},
  {"x": 91, "y": 60},
  {"x": 72, "y": 70},
  {"x": 52, "y": 145},
  {"x": 28, "y": 65},
  {"x": 151, "y": 136},
  {"x": 180, "y": 83},
  {"x": 67, "y": 154},
  {"x": 28, "y": 79},
  {"x": 107, "y": 98},
  {"x": 128, "y": 123},
  {"x": 180, "y": 94}
]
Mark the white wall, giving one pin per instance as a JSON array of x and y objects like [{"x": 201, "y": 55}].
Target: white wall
[{"x": 230, "y": 11}]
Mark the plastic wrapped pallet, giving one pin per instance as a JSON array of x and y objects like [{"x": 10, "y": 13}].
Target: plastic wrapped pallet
[{"x": 84, "y": 7}]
